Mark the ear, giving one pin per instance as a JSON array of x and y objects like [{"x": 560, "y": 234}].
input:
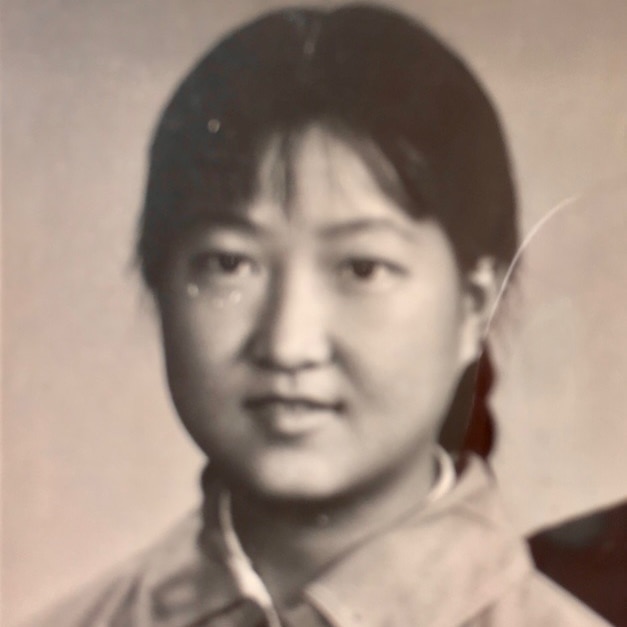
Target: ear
[{"x": 482, "y": 286}]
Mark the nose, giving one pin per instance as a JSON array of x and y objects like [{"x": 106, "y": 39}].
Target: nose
[{"x": 292, "y": 330}]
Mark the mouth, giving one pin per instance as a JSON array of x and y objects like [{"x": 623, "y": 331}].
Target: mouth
[{"x": 292, "y": 416}]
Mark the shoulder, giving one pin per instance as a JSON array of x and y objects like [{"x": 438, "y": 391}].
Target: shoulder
[
  {"x": 93, "y": 604},
  {"x": 501, "y": 586},
  {"x": 118, "y": 596},
  {"x": 517, "y": 596},
  {"x": 536, "y": 601}
]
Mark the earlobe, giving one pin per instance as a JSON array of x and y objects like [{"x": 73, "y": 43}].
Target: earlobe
[{"x": 482, "y": 284}]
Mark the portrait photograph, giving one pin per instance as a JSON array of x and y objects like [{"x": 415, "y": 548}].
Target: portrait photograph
[{"x": 314, "y": 313}]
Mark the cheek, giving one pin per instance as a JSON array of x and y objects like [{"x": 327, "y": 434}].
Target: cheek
[
  {"x": 408, "y": 346},
  {"x": 204, "y": 331},
  {"x": 422, "y": 321},
  {"x": 203, "y": 384},
  {"x": 201, "y": 347}
]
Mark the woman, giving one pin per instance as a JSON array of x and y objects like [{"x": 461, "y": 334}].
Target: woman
[{"x": 328, "y": 216}]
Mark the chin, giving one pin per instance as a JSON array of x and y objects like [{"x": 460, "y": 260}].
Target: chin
[{"x": 287, "y": 481}]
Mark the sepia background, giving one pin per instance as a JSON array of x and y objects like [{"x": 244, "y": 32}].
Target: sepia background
[{"x": 95, "y": 465}]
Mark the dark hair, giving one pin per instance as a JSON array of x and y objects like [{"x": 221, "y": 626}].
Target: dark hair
[
  {"x": 365, "y": 72},
  {"x": 384, "y": 84}
]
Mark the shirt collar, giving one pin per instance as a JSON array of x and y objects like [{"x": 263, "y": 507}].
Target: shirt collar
[
  {"x": 401, "y": 577},
  {"x": 439, "y": 567},
  {"x": 186, "y": 581}
]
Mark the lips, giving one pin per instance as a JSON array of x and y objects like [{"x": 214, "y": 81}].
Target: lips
[
  {"x": 290, "y": 416},
  {"x": 295, "y": 403}
]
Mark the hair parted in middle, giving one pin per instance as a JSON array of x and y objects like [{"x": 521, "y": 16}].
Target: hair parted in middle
[{"x": 375, "y": 78}]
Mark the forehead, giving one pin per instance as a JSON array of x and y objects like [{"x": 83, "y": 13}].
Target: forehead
[{"x": 319, "y": 176}]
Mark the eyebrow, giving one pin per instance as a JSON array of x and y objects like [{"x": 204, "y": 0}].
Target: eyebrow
[
  {"x": 244, "y": 224},
  {"x": 367, "y": 225},
  {"x": 233, "y": 220}
]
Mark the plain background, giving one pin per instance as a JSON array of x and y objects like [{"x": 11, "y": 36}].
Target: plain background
[{"x": 95, "y": 465}]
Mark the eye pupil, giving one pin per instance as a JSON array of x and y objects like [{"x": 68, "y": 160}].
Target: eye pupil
[
  {"x": 216, "y": 264},
  {"x": 363, "y": 269},
  {"x": 229, "y": 262}
]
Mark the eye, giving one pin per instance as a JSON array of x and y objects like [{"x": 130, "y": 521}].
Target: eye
[
  {"x": 221, "y": 265},
  {"x": 367, "y": 271},
  {"x": 363, "y": 269}
]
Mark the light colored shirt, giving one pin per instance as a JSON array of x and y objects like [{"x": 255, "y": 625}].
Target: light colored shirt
[{"x": 452, "y": 562}]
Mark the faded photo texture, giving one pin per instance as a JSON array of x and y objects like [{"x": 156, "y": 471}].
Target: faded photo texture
[{"x": 95, "y": 464}]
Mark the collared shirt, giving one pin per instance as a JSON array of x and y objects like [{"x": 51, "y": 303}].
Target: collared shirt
[{"x": 450, "y": 563}]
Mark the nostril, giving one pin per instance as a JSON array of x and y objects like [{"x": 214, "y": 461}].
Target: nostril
[
  {"x": 302, "y": 350},
  {"x": 268, "y": 363},
  {"x": 268, "y": 355}
]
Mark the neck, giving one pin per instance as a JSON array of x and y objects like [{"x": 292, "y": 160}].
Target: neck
[{"x": 290, "y": 542}]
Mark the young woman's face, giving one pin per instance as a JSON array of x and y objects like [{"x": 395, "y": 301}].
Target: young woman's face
[{"x": 314, "y": 348}]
